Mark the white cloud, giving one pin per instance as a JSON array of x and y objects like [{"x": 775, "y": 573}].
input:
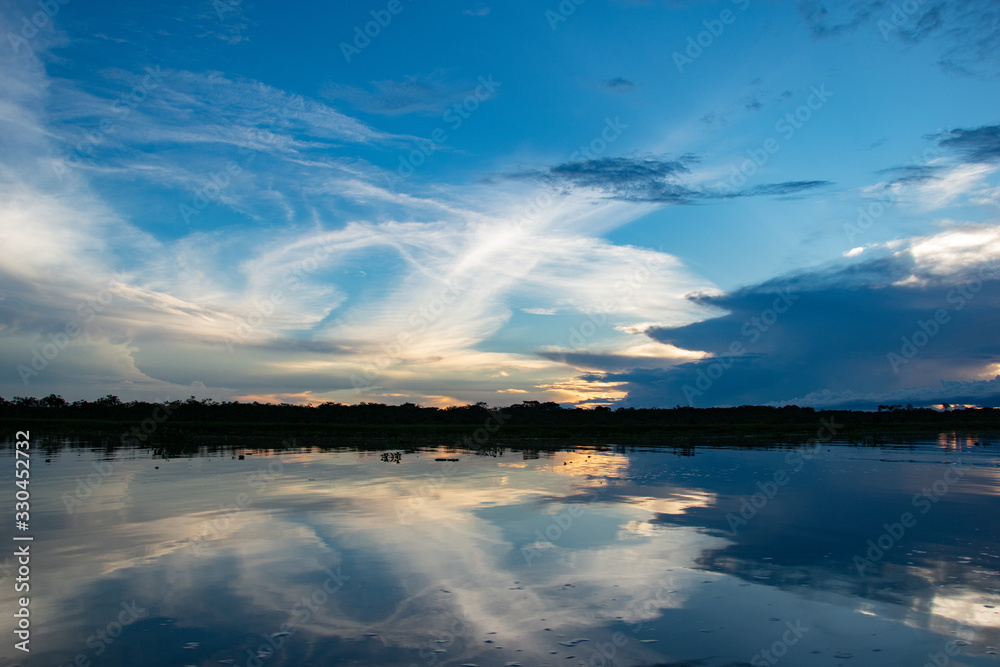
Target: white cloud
[
  {"x": 410, "y": 295},
  {"x": 955, "y": 251},
  {"x": 958, "y": 181}
]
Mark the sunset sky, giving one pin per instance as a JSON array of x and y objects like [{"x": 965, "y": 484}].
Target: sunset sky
[{"x": 590, "y": 202}]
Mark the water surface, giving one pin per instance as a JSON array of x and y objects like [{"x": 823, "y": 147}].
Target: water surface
[{"x": 588, "y": 557}]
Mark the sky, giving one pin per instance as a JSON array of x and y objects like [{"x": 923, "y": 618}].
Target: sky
[{"x": 592, "y": 202}]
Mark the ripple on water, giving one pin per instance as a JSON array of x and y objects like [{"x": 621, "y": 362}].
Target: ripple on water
[{"x": 574, "y": 642}]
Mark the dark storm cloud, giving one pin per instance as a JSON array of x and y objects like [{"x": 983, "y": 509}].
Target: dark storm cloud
[{"x": 846, "y": 336}]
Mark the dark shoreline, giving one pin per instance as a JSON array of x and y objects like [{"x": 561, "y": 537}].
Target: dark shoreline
[
  {"x": 185, "y": 436},
  {"x": 181, "y": 424}
]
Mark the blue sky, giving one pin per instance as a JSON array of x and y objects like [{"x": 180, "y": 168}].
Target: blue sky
[{"x": 584, "y": 203}]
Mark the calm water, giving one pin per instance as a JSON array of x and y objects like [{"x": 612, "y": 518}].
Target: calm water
[{"x": 589, "y": 557}]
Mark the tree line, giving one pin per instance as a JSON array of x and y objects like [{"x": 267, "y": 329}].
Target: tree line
[{"x": 526, "y": 413}]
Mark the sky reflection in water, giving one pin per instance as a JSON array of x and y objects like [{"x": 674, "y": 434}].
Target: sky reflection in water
[{"x": 592, "y": 557}]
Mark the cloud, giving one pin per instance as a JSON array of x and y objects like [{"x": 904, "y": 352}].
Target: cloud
[
  {"x": 481, "y": 10},
  {"x": 427, "y": 95},
  {"x": 658, "y": 180},
  {"x": 786, "y": 188},
  {"x": 981, "y": 144},
  {"x": 913, "y": 173},
  {"x": 232, "y": 311},
  {"x": 391, "y": 98},
  {"x": 954, "y": 168},
  {"x": 630, "y": 357},
  {"x": 953, "y": 184},
  {"x": 755, "y": 100},
  {"x": 287, "y": 307},
  {"x": 965, "y": 33},
  {"x": 627, "y": 179},
  {"x": 252, "y": 147},
  {"x": 211, "y": 108},
  {"x": 301, "y": 274},
  {"x": 987, "y": 197},
  {"x": 848, "y": 16},
  {"x": 983, "y": 393},
  {"x": 904, "y": 322},
  {"x": 585, "y": 391},
  {"x": 619, "y": 85}
]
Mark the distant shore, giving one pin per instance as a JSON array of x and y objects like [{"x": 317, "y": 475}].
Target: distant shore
[{"x": 532, "y": 424}]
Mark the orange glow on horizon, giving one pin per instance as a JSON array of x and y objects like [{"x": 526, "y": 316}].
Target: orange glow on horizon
[
  {"x": 302, "y": 398},
  {"x": 579, "y": 391}
]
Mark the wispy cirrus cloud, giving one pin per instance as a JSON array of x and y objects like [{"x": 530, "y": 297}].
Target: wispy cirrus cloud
[
  {"x": 832, "y": 19},
  {"x": 958, "y": 167},
  {"x": 196, "y": 311},
  {"x": 781, "y": 189},
  {"x": 913, "y": 173},
  {"x": 657, "y": 180},
  {"x": 951, "y": 148},
  {"x": 965, "y": 33},
  {"x": 203, "y": 108},
  {"x": 426, "y": 95}
]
